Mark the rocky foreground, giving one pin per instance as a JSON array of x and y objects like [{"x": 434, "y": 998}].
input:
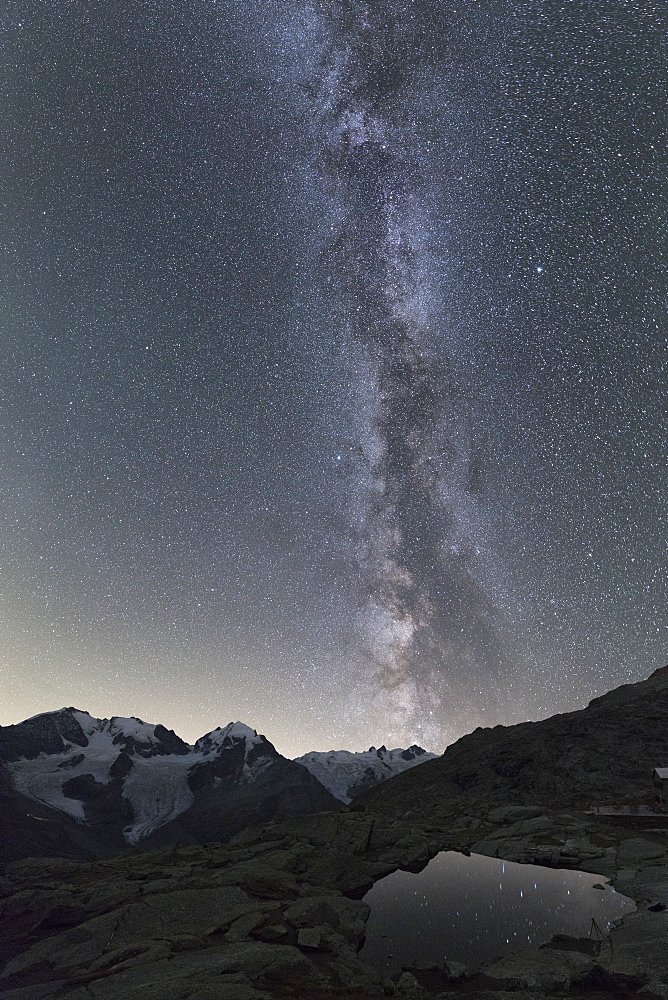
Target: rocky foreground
[
  {"x": 278, "y": 913},
  {"x": 274, "y": 917}
]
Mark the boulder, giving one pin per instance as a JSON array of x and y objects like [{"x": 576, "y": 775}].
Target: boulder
[
  {"x": 242, "y": 926},
  {"x": 408, "y": 988},
  {"x": 354, "y": 975},
  {"x": 270, "y": 965},
  {"x": 635, "y": 851},
  {"x": 270, "y": 932},
  {"x": 343, "y": 916},
  {"x": 455, "y": 970},
  {"x": 637, "y": 949},
  {"x": 543, "y": 971},
  {"x": 309, "y": 937}
]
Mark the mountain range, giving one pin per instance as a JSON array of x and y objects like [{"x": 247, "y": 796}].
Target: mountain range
[
  {"x": 75, "y": 785},
  {"x": 277, "y": 911}
]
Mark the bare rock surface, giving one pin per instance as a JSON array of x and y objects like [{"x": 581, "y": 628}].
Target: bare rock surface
[
  {"x": 638, "y": 949},
  {"x": 538, "y": 970},
  {"x": 270, "y": 916},
  {"x": 181, "y": 922}
]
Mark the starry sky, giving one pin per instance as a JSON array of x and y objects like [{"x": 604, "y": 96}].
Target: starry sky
[{"x": 333, "y": 362}]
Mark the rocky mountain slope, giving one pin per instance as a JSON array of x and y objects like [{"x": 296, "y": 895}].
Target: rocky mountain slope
[
  {"x": 603, "y": 754},
  {"x": 346, "y": 774},
  {"x": 78, "y": 786}
]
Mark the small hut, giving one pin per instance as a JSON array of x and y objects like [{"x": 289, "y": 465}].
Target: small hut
[{"x": 660, "y": 781}]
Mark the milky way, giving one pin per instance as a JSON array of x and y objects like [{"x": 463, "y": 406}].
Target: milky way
[
  {"x": 428, "y": 616},
  {"x": 333, "y": 362}
]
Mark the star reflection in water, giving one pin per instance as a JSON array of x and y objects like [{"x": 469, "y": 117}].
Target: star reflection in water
[{"x": 473, "y": 909}]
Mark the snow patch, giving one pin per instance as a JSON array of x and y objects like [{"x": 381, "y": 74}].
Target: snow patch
[
  {"x": 141, "y": 732},
  {"x": 251, "y": 772},
  {"x": 87, "y": 722}
]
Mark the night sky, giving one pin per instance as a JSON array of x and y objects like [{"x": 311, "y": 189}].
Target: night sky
[{"x": 333, "y": 362}]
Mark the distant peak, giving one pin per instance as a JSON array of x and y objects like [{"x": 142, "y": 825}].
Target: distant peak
[
  {"x": 346, "y": 773},
  {"x": 230, "y": 733},
  {"x": 235, "y": 730}
]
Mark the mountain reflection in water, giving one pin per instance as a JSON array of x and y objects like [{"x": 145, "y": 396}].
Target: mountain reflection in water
[{"x": 473, "y": 909}]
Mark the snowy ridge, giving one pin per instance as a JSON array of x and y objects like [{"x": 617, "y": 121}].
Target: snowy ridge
[
  {"x": 155, "y": 783},
  {"x": 232, "y": 731},
  {"x": 141, "y": 732},
  {"x": 346, "y": 774},
  {"x": 129, "y": 777}
]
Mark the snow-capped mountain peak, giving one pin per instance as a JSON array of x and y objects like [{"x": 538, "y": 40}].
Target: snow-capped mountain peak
[
  {"x": 137, "y": 772},
  {"x": 57, "y": 732},
  {"x": 121, "y": 780},
  {"x": 226, "y": 735},
  {"x": 346, "y": 774},
  {"x": 133, "y": 734}
]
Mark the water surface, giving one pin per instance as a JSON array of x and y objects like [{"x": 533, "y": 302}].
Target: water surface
[{"x": 472, "y": 909}]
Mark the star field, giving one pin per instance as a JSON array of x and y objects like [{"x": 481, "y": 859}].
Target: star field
[{"x": 333, "y": 362}]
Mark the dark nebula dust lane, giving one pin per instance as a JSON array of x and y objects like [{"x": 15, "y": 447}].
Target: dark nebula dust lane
[
  {"x": 333, "y": 362},
  {"x": 435, "y": 631}
]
